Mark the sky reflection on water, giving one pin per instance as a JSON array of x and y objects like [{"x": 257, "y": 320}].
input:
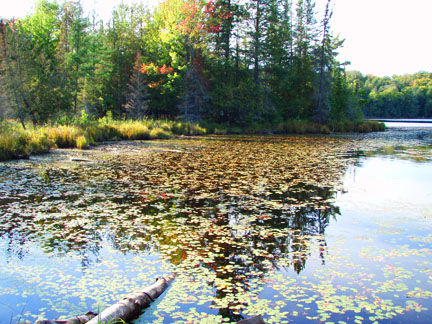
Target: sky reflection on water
[{"x": 297, "y": 229}]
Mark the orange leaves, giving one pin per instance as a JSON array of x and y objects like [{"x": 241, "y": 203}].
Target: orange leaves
[
  {"x": 156, "y": 73},
  {"x": 210, "y": 7},
  {"x": 144, "y": 68},
  {"x": 152, "y": 68},
  {"x": 163, "y": 69},
  {"x": 264, "y": 217},
  {"x": 201, "y": 19},
  {"x": 166, "y": 70},
  {"x": 191, "y": 24}
]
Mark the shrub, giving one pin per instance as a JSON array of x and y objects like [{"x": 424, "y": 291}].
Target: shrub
[
  {"x": 186, "y": 128},
  {"x": 367, "y": 126},
  {"x": 166, "y": 127},
  {"x": 133, "y": 131},
  {"x": 82, "y": 142},
  {"x": 17, "y": 142},
  {"x": 156, "y": 133},
  {"x": 325, "y": 129},
  {"x": 39, "y": 143},
  {"x": 253, "y": 128},
  {"x": 220, "y": 131},
  {"x": 13, "y": 145},
  {"x": 62, "y": 136}
]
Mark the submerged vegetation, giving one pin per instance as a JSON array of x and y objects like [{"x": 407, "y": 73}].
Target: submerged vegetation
[{"x": 251, "y": 225}]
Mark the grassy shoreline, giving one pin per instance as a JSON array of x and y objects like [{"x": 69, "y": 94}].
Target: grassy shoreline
[
  {"x": 17, "y": 142},
  {"x": 295, "y": 126}
]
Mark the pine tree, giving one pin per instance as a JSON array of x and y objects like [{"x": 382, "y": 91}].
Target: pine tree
[
  {"x": 302, "y": 73},
  {"x": 73, "y": 48},
  {"x": 96, "y": 67},
  {"x": 137, "y": 98},
  {"x": 15, "y": 78},
  {"x": 326, "y": 59},
  {"x": 196, "y": 99}
]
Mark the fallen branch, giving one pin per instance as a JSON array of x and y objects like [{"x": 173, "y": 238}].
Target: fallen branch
[
  {"x": 123, "y": 311},
  {"x": 81, "y": 319},
  {"x": 253, "y": 320},
  {"x": 79, "y": 159},
  {"x": 132, "y": 306}
]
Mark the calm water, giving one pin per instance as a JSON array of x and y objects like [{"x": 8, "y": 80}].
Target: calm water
[
  {"x": 297, "y": 229},
  {"x": 408, "y": 123}
]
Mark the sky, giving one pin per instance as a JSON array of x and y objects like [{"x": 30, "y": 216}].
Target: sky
[{"x": 382, "y": 37}]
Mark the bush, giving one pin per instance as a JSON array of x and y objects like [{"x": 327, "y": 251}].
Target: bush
[
  {"x": 159, "y": 133},
  {"x": 82, "y": 142},
  {"x": 133, "y": 131},
  {"x": 367, "y": 126},
  {"x": 39, "y": 143},
  {"x": 325, "y": 129},
  {"x": 186, "y": 128},
  {"x": 17, "y": 142},
  {"x": 13, "y": 145},
  {"x": 253, "y": 128},
  {"x": 62, "y": 136}
]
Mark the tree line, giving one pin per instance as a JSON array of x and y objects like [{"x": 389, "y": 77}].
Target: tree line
[
  {"x": 405, "y": 96},
  {"x": 227, "y": 61}
]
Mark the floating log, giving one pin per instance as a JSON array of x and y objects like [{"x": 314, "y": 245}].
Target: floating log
[
  {"x": 79, "y": 159},
  {"x": 81, "y": 319},
  {"x": 132, "y": 306},
  {"x": 253, "y": 320}
]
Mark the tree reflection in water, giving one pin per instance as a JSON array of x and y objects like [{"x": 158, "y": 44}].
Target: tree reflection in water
[{"x": 233, "y": 207}]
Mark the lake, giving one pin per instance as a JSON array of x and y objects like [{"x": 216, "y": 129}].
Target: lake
[
  {"x": 298, "y": 229},
  {"x": 406, "y": 123}
]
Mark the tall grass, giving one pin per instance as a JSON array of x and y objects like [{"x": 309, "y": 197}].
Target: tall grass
[
  {"x": 295, "y": 126},
  {"x": 17, "y": 142}
]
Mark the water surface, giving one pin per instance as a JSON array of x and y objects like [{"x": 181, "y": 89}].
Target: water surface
[{"x": 297, "y": 229}]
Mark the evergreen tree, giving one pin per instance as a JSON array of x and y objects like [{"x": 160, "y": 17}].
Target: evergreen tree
[
  {"x": 14, "y": 57},
  {"x": 136, "y": 106},
  {"x": 74, "y": 47},
  {"x": 326, "y": 60},
  {"x": 123, "y": 39},
  {"x": 97, "y": 68},
  {"x": 242, "y": 62},
  {"x": 195, "y": 98},
  {"x": 49, "y": 91}
]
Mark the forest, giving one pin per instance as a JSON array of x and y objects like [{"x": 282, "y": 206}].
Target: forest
[
  {"x": 254, "y": 62},
  {"x": 405, "y": 96}
]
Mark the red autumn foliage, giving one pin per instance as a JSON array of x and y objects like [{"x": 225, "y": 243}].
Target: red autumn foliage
[
  {"x": 215, "y": 29},
  {"x": 144, "y": 68},
  {"x": 148, "y": 68}
]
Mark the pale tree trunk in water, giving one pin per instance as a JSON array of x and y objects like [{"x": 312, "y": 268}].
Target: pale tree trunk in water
[
  {"x": 123, "y": 311},
  {"x": 130, "y": 307}
]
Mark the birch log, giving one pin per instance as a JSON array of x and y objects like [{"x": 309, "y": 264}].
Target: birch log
[
  {"x": 253, "y": 320},
  {"x": 130, "y": 307},
  {"x": 80, "y": 319}
]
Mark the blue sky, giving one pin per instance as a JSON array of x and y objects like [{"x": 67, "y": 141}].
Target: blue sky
[{"x": 383, "y": 37}]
